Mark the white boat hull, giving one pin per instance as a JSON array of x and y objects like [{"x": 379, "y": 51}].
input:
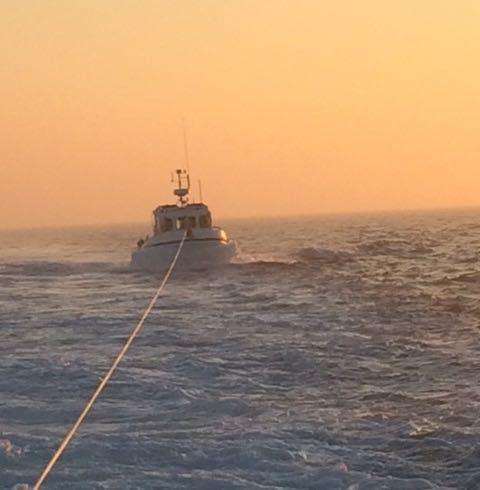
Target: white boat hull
[{"x": 195, "y": 254}]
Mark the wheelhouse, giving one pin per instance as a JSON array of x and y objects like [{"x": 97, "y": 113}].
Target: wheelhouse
[{"x": 171, "y": 218}]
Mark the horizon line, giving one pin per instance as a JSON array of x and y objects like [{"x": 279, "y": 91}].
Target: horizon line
[{"x": 250, "y": 217}]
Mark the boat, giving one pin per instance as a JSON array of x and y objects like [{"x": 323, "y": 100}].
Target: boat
[{"x": 205, "y": 245}]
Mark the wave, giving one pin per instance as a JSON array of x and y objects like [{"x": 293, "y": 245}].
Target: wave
[
  {"x": 323, "y": 255},
  {"x": 469, "y": 278},
  {"x": 8, "y": 449},
  {"x": 305, "y": 255},
  {"x": 48, "y": 268},
  {"x": 395, "y": 247},
  {"x": 465, "y": 278},
  {"x": 263, "y": 260}
]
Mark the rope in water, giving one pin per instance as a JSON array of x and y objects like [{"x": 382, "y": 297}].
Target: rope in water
[{"x": 109, "y": 374}]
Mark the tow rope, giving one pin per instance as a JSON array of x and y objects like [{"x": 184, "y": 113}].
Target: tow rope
[{"x": 71, "y": 433}]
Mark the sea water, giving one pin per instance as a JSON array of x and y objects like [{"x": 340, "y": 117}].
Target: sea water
[{"x": 338, "y": 352}]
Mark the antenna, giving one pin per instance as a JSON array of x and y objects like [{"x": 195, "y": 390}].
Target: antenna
[
  {"x": 187, "y": 154},
  {"x": 185, "y": 146},
  {"x": 200, "y": 190}
]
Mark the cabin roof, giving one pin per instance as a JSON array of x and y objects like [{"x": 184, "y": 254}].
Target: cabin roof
[{"x": 174, "y": 209}]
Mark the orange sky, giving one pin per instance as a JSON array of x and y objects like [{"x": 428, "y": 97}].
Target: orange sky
[{"x": 292, "y": 106}]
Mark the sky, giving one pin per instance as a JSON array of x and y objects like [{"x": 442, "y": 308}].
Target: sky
[{"x": 291, "y": 106}]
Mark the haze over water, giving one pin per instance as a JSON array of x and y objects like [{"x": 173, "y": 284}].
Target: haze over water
[{"x": 338, "y": 352}]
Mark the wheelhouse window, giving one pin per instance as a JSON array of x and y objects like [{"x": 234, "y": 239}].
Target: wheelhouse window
[
  {"x": 205, "y": 220},
  {"x": 167, "y": 225},
  {"x": 186, "y": 222},
  {"x": 181, "y": 223}
]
